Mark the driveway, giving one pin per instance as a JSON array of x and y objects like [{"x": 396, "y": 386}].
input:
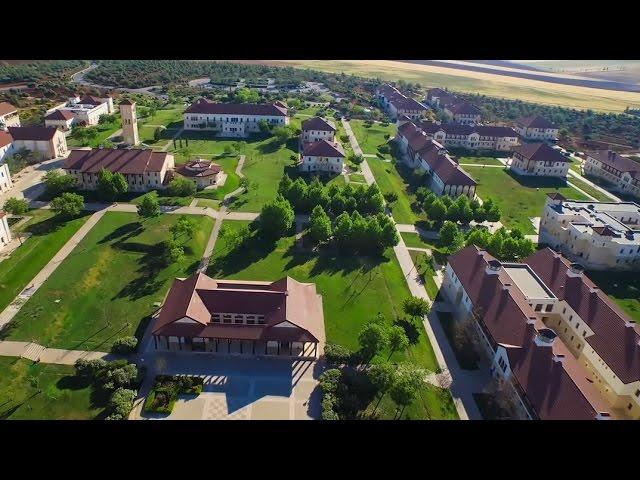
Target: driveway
[{"x": 238, "y": 388}]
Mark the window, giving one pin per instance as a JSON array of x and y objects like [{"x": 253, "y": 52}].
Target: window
[
  {"x": 260, "y": 319},
  {"x": 538, "y": 307},
  {"x": 548, "y": 308},
  {"x": 238, "y": 319},
  {"x": 638, "y": 393},
  {"x": 226, "y": 318},
  {"x": 629, "y": 407}
]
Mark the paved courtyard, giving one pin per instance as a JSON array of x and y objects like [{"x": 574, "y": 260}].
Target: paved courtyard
[{"x": 239, "y": 388}]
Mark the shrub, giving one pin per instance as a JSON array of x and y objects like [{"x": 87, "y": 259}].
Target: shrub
[
  {"x": 336, "y": 354},
  {"x": 125, "y": 345},
  {"x": 121, "y": 402},
  {"x": 181, "y": 187},
  {"x": 330, "y": 380}
]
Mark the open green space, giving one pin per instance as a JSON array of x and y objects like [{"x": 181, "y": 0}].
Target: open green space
[
  {"x": 108, "y": 287},
  {"x": 353, "y": 288},
  {"x": 38, "y": 391},
  {"x": 391, "y": 177},
  {"x": 370, "y": 138},
  {"x": 595, "y": 193},
  {"x": 622, "y": 287},
  {"x": 425, "y": 268},
  {"x": 519, "y": 198},
  {"x": 433, "y": 403},
  {"x": 104, "y": 131},
  {"x": 48, "y": 234},
  {"x": 480, "y": 160},
  {"x": 356, "y": 177}
]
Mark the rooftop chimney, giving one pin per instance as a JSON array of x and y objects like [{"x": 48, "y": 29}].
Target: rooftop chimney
[
  {"x": 559, "y": 358},
  {"x": 493, "y": 267},
  {"x": 575, "y": 270},
  {"x": 545, "y": 337}
]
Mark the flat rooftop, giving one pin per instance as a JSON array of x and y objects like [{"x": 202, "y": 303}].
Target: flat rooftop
[{"x": 527, "y": 281}]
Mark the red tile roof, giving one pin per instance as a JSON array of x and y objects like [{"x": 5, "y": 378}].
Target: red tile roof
[
  {"x": 90, "y": 100},
  {"x": 466, "y": 130},
  {"x": 615, "y": 160},
  {"x": 5, "y": 138},
  {"x": 318, "y": 123},
  {"x": 260, "y": 109},
  {"x": 33, "y": 133},
  {"x": 540, "y": 152},
  {"x": 464, "y": 108},
  {"x": 535, "y": 121},
  {"x": 285, "y": 300},
  {"x": 199, "y": 168},
  {"x": 615, "y": 336},
  {"x": 6, "y": 108},
  {"x": 115, "y": 160},
  {"x": 126, "y": 101},
  {"x": 322, "y": 148},
  {"x": 59, "y": 115}
]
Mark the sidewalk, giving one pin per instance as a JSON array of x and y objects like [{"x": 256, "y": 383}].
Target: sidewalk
[
  {"x": 364, "y": 166},
  {"x": 38, "y": 353}
]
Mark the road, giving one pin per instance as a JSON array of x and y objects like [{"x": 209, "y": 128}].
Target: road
[
  {"x": 28, "y": 182},
  {"x": 78, "y": 78}
]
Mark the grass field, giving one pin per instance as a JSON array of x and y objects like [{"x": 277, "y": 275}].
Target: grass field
[
  {"x": 622, "y": 287},
  {"x": 597, "y": 194},
  {"x": 171, "y": 118},
  {"x": 433, "y": 403},
  {"x": 389, "y": 179},
  {"x": 356, "y": 177},
  {"x": 35, "y": 391},
  {"x": 104, "y": 132},
  {"x": 476, "y": 82},
  {"x": 480, "y": 160},
  {"x": 106, "y": 288},
  {"x": 519, "y": 198},
  {"x": 354, "y": 289},
  {"x": 425, "y": 268},
  {"x": 49, "y": 234},
  {"x": 373, "y": 137}
]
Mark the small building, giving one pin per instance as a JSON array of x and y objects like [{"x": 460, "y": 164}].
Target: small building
[
  {"x": 233, "y": 119},
  {"x": 6, "y": 149},
  {"x": 437, "y": 97},
  {"x": 45, "y": 142},
  {"x": 463, "y": 112},
  {"x": 62, "y": 119},
  {"x": 621, "y": 172},
  {"x": 202, "y": 314},
  {"x": 597, "y": 235},
  {"x": 92, "y": 100},
  {"x": 5, "y": 233},
  {"x": 397, "y": 104},
  {"x": 144, "y": 170},
  {"x": 204, "y": 173},
  {"x": 316, "y": 129},
  {"x": 8, "y": 116},
  {"x": 322, "y": 156},
  {"x": 536, "y": 128},
  {"x": 471, "y": 137},
  {"x": 539, "y": 159}
]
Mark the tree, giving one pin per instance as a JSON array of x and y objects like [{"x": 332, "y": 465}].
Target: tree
[
  {"x": 404, "y": 390},
  {"x": 382, "y": 376},
  {"x": 121, "y": 403},
  {"x": 415, "y": 307},
  {"x": 320, "y": 225},
  {"x": 276, "y": 218},
  {"x": 398, "y": 339},
  {"x": 373, "y": 338},
  {"x": 157, "y": 133},
  {"x": 284, "y": 185},
  {"x": 342, "y": 229},
  {"x": 181, "y": 187},
  {"x": 283, "y": 133},
  {"x": 247, "y": 95},
  {"x": 437, "y": 211},
  {"x": 297, "y": 194},
  {"x": 450, "y": 236},
  {"x": 16, "y": 206},
  {"x": 479, "y": 237},
  {"x": 184, "y": 226},
  {"x": 492, "y": 211},
  {"x": 171, "y": 252},
  {"x": 125, "y": 345},
  {"x": 235, "y": 238},
  {"x": 149, "y": 206},
  {"x": 57, "y": 183},
  {"x": 68, "y": 204},
  {"x": 264, "y": 126},
  {"x": 391, "y": 197},
  {"x": 111, "y": 185}
]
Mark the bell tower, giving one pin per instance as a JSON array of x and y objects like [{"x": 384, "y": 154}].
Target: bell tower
[{"x": 129, "y": 122}]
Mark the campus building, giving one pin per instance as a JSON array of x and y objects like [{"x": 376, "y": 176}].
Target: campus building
[
  {"x": 536, "y": 128},
  {"x": 621, "y": 172},
  {"x": 322, "y": 156},
  {"x": 78, "y": 111},
  {"x": 471, "y": 137},
  {"x": 143, "y": 169},
  {"x": 6, "y": 149},
  {"x": 8, "y": 116},
  {"x": 446, "y": 176},
  {"x": 129, "y": 119},
  {"x": 316, "y": 129},
  {"x": 202, "y": 314},
  {"x": 539, "y": 159},
  {"x": 233, "y": 119},
  {"x": 45, "y": 142},
  {"x": 460, "y": 111},
  {"x": 60, "y": 119},
  {"x": 5, "y": 233},
  {"x": 204, "y": 173},
  {"x": 597, "y": 235},
  {"x": 398, "y": 104},
  {"x": 564, "y": 348}
]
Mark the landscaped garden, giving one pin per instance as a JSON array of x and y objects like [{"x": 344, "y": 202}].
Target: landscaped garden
[
  {"x": 354, "y": 288},
  {"x": 519, "y": 199},
  {"x": 48, "y": 234},
  {"x": 479, "y": 160},
  {"x": 165, "y": 391},
  {"x": 111, "y": 283},
  {"x": 595, "y": 193},
  {"x": 622, "y": 287}
]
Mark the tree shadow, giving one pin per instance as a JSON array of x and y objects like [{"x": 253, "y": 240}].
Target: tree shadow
[
  {"x": 254, "y": 249},
  {"x": 127, "y": 231},
  {"x": 533, "y": 181},
  {"x": 410, "y": 329},
  {"x": 73, "y": 382}
]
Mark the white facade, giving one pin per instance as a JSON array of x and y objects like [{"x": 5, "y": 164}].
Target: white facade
[
  {"x": 312, "y": 163},
  {"x": 475, "y": 141},
  {"x": 317, "y": 135},
  {"x": 88, "y": 114},
  {"x": 46, "y": 149},
  {"x": 230, "y": 125},
  {"x": 5, "y": 233},
  {"x": 537, "y": 133},
  {"x": 522, "y": 166},
  {"x": 11, "y": 119},
  {"x": 624, "y": 181},
  {"x": 61, "y": 124}
]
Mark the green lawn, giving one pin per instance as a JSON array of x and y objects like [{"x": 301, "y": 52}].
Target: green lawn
[
  {"x": 107, "y": 287},
  {"x": 356, "y": 177},
  {"x": 389, "y": 179},
  {"x": 414, "y": 240},
  {"x": 518, "y": 198},
  {"x": 354, "y": 289},
  {"x": 373, "y": 137},
  {"x": 49, "y": 234},
  {"x": 433, "y": 403},
  {"x": 171, "y": 118},
  {"x": 480, "y": 160},
  {"x": 622, "y": 287},
  {"x": 597, "y": 194},
  {"x": 104, "y": 132},
  {"x": 425, "y": 268},
  {"x": 36, "y": 391}
]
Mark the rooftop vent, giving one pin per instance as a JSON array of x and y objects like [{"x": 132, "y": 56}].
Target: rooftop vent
[
  {"x": 494, "y": 265},
  {"x": 545, "y": 337},
  {"x": 575, "y": 270}
]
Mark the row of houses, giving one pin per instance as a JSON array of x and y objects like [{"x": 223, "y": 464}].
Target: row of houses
[
  {"x": 460, "y": 111},
  {"x": 621, "y": 172},
  {"x": 564, "y": 350},
  {"x": 399, "y": 105}
]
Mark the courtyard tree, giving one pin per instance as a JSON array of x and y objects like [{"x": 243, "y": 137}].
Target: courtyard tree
[
  {"x": 56, "y": 183},
  {"x": 451, "y": 236},
  {"x": 373, "y": 339},
  {"x": 16, "y": 206},
  {"x": 171, "y": 252},
  {"x": 391, "y": 197},
  {"x": 111, "y": 185},
  {"x": 398, "y": 339},
  {"x": 437, "y": 211},
  {"x": 284, "y": 185},
  {"x": 283, "y": 133},
  {"x": 68, "y": 204},
  {"x": 276, "y": 218},
  {"x": 149, "y": 206},
  {"x": 247, "y": 95},
  {"x": 408, "y": 382},
  {"x": 185, "y": 226},
  {"x": 382, "y": 376},
  {"x": 342, "y": 229},
  {"x": 320, "y": 225},
  {"x": 181, "y": 187},
  {"x": 235, "y": 238},
  {"x": 415, "y": 307}
]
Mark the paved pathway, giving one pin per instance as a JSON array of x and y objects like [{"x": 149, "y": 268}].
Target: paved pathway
[
  {"x": 8, "y": 313},
  {"x": 38, "y": 353},
  {"x": 593, "y": 185},
  {"x": 573, "y": 185},
  {"x": 364, "y": 166},
  {"x": 28, "y": 182}
]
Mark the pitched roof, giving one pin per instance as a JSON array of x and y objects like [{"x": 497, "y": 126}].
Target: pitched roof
[
  {"x": 540, "y": 152},
  {"x": 199, "y": 168},
  {"x": 615, "y": 336},
  {"x": 33, "y": 133},
  {"x": 322, "y": 148},
  {"x": 466, "y": 130},
  {"x": 285, "y": 300},
  {"x": 449, "y": 171},
  {"x": 535, "y": 121},
  {"x": 6, "y": 108},
  {"x": 615, "y": 160},
  {"x": 91, "y": 100},
  {"x": 5, "y": 138},
  {"x": 264, "y": 109},
  {"x": 115, "y": 160},
  {"x": 464, "y": 108},
  {"x": 318, "y": 123},
  {"x": 59, "y": 115},
  {"x": 126, "y": 101}
]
